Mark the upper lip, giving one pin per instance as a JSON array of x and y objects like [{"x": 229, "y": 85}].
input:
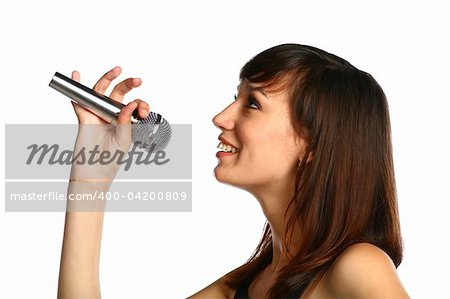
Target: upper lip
[{"x": 226, "y": 141}]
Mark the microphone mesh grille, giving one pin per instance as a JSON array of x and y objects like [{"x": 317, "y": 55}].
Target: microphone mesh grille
[{"x": 152, "y": 133}]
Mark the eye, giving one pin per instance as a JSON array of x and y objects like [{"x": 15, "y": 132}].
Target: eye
[{"x": 252, "y": 103}]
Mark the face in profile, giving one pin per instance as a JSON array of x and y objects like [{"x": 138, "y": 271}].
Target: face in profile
[{"x": 259, "y": 148}]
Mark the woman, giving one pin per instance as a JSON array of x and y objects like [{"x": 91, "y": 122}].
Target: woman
[{"x": 309, "y": 136}]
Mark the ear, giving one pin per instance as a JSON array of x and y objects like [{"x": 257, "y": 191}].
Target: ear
[
  {"x": 310, "y": 157},
  {"x": 302, "y": 149},
  {"x": 308, "y": 160}
]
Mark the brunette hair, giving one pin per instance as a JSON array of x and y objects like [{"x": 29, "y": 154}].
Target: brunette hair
[{"x": 346, "y": 194}]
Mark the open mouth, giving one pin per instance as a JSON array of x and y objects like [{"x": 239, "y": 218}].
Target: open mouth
[{"x": 227, "y": 148}]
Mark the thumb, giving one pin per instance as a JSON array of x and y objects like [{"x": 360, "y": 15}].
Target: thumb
[
  {"x": 124, "y": 116},
  {"x": 123, "y": 127}
]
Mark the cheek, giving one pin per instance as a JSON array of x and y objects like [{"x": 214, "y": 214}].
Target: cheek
[{"x": 271, "y": 149}]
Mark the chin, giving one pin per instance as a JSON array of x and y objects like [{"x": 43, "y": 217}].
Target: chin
[
  {"x": 223, "y": 177},
  {"x": 219, "y": 174}
]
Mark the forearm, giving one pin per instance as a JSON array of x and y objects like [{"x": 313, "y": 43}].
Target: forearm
[{"x": 79, "y": 269}]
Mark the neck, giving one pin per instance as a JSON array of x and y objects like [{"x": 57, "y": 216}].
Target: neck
[
  {"x": 282, "y": 251},
  {"x": 274, "y": 206}
]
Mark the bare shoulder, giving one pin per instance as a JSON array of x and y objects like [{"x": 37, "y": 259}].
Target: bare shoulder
[
  {"x": 218, "y": 289},
  {"x": 363, "y": 271}
]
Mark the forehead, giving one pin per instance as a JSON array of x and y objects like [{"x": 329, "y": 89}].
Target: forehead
[
  {"x": 271, "y": 91},
  {"x": 248, "y": 86}
]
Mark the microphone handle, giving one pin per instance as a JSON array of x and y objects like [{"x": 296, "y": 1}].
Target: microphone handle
[{"x": 101, "y": 105}]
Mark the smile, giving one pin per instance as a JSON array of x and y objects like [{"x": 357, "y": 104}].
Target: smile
[{"x": 227, "y": 148}]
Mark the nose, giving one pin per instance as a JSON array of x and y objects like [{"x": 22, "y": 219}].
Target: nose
[{"x": 225, "y": 120}]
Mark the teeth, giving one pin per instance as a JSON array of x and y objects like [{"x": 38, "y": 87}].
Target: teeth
[{"x": 227, "y": 147}]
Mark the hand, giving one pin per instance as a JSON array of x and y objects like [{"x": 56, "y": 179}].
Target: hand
[
  {"x": 94, "y": 131},
  {"x": 118, "y": 93}
]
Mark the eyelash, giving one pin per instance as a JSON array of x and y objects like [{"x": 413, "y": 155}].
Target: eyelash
[{"x": 252, "y": 103}]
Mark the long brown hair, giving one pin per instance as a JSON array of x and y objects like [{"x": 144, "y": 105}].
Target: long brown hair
[{"x": 346, "y": 194}]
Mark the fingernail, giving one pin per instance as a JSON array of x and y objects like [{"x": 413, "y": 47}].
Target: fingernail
[{"x": 145, "y": 112}]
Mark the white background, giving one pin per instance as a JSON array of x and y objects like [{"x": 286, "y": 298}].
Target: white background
[{"x": 188, "y": 55}]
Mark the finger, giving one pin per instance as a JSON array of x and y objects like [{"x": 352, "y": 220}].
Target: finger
[
  {"x": 76, "y": 76},
  {"x": 123, "y": 87},
  {"x": 104, "y": 82},
  {"x": 124, "y": 116},
  {"x": 143, "y": 108}
]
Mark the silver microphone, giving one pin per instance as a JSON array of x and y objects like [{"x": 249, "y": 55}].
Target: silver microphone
[{"x": 151, "y": 133}]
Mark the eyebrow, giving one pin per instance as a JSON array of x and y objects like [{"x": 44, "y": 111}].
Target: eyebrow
[
  {"x": 254, "y": 89},
  {"x": 257, "y": 89}
]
